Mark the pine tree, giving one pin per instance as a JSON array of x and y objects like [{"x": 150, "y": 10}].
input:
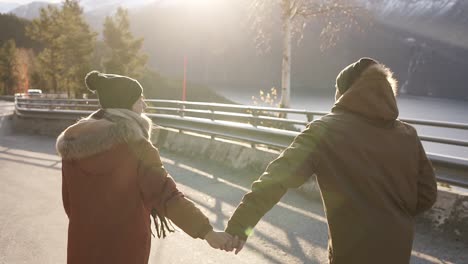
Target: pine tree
[
  {"x": 13, "y": 27},
  {"x": 8, "y": 67},
  {"x": 45, "y": 30},
  {"x": 78, "y": 46},
  {"x": 124, "y": 54},
  {"x": 68, "y": 46}
]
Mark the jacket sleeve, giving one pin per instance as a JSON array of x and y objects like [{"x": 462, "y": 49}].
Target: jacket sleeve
[
  {"x": 427, "y": 184},
  {"x": 160, "y": 192},
  {"x": 290, "y": 170}
]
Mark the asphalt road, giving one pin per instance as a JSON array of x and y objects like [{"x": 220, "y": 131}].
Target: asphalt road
[{"x": 33, "y": 224}]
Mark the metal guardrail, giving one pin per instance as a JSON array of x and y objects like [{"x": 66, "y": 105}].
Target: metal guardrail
[
  {"x": 9, "y": 98},
  {"x": 252, "y": 124}
]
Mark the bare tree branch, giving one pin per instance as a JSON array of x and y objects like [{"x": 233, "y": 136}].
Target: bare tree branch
[
  {"x": 334, "y": 15},
  {"x": 294, "y": 15}
]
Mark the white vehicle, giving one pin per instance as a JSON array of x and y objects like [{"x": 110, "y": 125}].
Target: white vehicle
[{"x": 34, "y": 92}]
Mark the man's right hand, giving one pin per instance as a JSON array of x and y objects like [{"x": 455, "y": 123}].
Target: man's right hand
[
  {"x": 218, "y": 240},
  {"x": 235, "y": 243}
]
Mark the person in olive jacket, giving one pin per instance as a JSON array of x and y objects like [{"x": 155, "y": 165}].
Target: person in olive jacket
[
  {"x": 113, "y": 180},
  {"x": 372, "y": 170}
]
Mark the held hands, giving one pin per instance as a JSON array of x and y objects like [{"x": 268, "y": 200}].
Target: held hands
[
  {"x": 224, "y": 241},
  {"x": 236, "y": 244},
  {"x": 218, "y": 240}
]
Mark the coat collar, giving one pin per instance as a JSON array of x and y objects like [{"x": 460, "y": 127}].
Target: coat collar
[{"x": 101, "y": 131}]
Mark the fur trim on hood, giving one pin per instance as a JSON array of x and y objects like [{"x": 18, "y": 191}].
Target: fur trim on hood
[
  {"x": 372, "y": 95},
  {"x": 102, "y": 130}
]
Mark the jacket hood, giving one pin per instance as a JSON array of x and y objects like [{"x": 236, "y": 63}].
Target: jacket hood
[
  {"x": 91, "y": 135},
  {"x": 372, "y": 95}
]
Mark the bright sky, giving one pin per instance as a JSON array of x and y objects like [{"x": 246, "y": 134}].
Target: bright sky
[
  {"x": 57, "y": 1},
  {"x": 27, "y": 1},
  {"x": 200, "y": 5}
]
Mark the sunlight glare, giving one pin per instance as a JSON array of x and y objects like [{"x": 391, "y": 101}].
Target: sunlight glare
[{"x": 200, "y": 4}]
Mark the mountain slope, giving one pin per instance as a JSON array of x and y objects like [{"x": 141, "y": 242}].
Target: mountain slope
[
  {"x": 442, "y": 20},
  {"x": 29, "y": 11}
]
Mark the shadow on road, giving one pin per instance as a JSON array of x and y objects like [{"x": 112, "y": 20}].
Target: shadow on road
[
  {"x": 300, "y": 219},
  {"x": 296, "y": 227},
  {"x": 26, "y": 149},
  {"x": 301, "y": 222}
]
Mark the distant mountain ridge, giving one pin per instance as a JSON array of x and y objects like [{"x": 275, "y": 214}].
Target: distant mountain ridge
[
  {"x": 103, "y": 7},
  {"x": 442, "y": 20},
  {"x": 30, "y": 10}
]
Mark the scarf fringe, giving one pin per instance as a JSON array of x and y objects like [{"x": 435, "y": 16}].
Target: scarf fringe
[{"x": 161, "y": 224}]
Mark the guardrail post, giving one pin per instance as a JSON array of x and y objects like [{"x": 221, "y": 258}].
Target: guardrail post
[
  {"x": 254, "y": 117},
  {"x": 181, "y": 109},
  {"x": 212, "y": 114},
  {"x": 310, "y": 117}
]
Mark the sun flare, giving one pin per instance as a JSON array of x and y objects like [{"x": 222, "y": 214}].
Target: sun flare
[{"x": 201, "y": 4}]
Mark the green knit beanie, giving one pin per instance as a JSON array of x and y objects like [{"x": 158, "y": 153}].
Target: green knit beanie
[
  {"x": 114, "y": 91},
  {"x": 351, "y": 73}
]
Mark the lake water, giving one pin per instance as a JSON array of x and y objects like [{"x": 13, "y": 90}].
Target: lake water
[{"x": 436, "y": 109}]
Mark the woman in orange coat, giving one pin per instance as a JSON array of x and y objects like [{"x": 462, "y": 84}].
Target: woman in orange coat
[{"x": 114, "y": 180}]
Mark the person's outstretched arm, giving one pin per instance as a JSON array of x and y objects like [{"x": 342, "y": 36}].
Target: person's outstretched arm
[
  {"x": 290, "y": 170},
  {"x": 160, "y": 193}
]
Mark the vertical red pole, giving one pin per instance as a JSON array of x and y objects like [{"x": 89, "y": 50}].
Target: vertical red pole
[{"x": 184, "y": 85}]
